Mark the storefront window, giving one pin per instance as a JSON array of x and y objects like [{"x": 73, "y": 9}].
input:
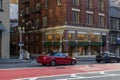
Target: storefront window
[
  {"x": 71, "y": 37},
  {"x": 49, "y": 38},
  {"x": 95, "y": 38},
  {"x": 57, "y": 37},
  {"x": 82, "y": 37}
]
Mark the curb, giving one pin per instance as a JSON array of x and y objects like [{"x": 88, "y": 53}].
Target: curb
[{"x": 14, "y": 61}]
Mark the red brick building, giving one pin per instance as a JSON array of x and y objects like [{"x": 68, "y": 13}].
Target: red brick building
[{"x": 70, "y": 26}]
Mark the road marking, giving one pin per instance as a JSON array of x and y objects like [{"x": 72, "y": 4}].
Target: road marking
[{"x": 108, "y": 75}]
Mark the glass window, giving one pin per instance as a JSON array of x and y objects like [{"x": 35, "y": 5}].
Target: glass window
[
  {"x": 27, "y": 10},
  {"x": 46, "y": 4},
  {"x": 45, "y": 21},
  {"x": 81, "y": 37},
  {"x": 75, "y": 17},
  {"x": 0, "y": 4},
  {"x": 57, "y": 37},
  {"x": 101, "y": 21},
  {"x": 94, "y": 38},
  {"x": 89, "y": 19},
  {"x": 76, "y": 2},
  {"x": 59, "y": 2},
  {"x": 71, "y": 37},
  {"x": 37, "y": 7},
  {"x": 101, "y": 5},
  {"x": 49, "y": 37},
  {"x": 89, "y": 4}
]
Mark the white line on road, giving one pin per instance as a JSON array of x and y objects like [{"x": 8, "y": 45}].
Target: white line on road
[{"x": 108, "y": 75}]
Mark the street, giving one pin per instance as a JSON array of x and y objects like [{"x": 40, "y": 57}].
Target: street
[
  {"x": 102, "y": 75},
  {"x": 84, "y": 70},
  {"x": 33, "y": 63}
]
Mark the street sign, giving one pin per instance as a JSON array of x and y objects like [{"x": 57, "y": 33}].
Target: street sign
[{"x": 21, "y": 44}]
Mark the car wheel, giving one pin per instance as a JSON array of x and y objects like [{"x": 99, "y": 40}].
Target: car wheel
[
  {"x": 53, "y": 63},
  {"x": 72, "y": 62}
]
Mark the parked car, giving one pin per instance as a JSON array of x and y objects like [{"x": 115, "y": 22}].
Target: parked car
[
  {"x": 56, "y": 58},
  {"x": 107, "y": 57}
]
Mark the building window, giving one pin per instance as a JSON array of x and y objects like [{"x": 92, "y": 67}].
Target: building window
[
  {"x": 101, "y": 21},
  {"x": 45, "y": 21},
  {"x": 94, "y": 38},
  {"x": 46, "y": 4},
  {"x": 76, "y": 2},
  {"x": 59, "y": 2},
  {"x": 37, "y": 23},
  {"x": 75, "y": 17},
  {"x": 49, "y": 37},
  {"x": 37, "y": 7},
  {"x": 27, "y": 10},
  {"x": 101, "y": 5},
  {"x": 71, "y": 37},
  {"x": 89, "y": 4},
  {"x": 57, "y": 37},
  {"x": 89, "y": 19},
  {"x": 81, "y": 37},
  {"x": 0, "y": 5},
  {"x": 114, "y": 23}
]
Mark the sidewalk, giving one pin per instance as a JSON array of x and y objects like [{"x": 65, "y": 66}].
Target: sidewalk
[{"x": 9, "y": 61}]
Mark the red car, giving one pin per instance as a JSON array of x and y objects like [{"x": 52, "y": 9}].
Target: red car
[{"x": 56, "y": 58}]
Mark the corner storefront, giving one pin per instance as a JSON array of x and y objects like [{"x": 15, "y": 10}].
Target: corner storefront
[{"x": 75, "y": 41}]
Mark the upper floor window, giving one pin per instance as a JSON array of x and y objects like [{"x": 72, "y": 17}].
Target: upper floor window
[
  {"x": 76, "y": 2},
  {"x": 76, "y": 17},
  {"x": 45, "y": 21},
  {"x": 101, "y": 21},
  {"x": 59, "y": 2},
  {"x": 101, "y": 5},
  {"x": 115, "y": 23},
  {"x": 38, "y": 7},
  {"x": 89, "y": 19},
  {"x": 46, "y": 4},
  {"x": 27, "y": 10},
  {"x": 89, "y": 4},
  {"x": 0, "y": 5}
]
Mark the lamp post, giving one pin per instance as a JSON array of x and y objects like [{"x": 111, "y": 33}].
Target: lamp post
[{"x": 21, "y": 31}]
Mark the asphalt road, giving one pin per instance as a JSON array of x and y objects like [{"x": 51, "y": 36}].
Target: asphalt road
[
  {"x": 102, "y": 75},
  {"x": 33, "y": 63}
]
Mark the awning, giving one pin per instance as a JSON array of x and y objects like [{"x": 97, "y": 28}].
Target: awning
[
  {"x": 83, "y": 43},
  {"x": 56, "y": 43},
  {"x": 96, "y": 43},
  {"x": 47, "y": 43},
  {"x": 2, "y": 27},
  {"x": 72, "y": 44}
]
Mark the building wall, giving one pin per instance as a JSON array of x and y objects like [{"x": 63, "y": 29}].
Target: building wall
[
  {"x": 14, "y": 1},
  {"x": 4, "y": 17},
  {"x": 56, "y": 13},
  {"x": 59, "y": 16}
]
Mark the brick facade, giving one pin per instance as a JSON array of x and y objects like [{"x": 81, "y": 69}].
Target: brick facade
[{"x": 59, "y": 18}]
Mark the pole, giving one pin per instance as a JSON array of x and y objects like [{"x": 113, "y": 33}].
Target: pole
[
  {"x": 60, "y": 50},
  {"x": 20, "y": 52}
]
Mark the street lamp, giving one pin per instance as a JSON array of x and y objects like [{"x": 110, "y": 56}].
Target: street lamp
[{"x": 21, "y": 31}]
